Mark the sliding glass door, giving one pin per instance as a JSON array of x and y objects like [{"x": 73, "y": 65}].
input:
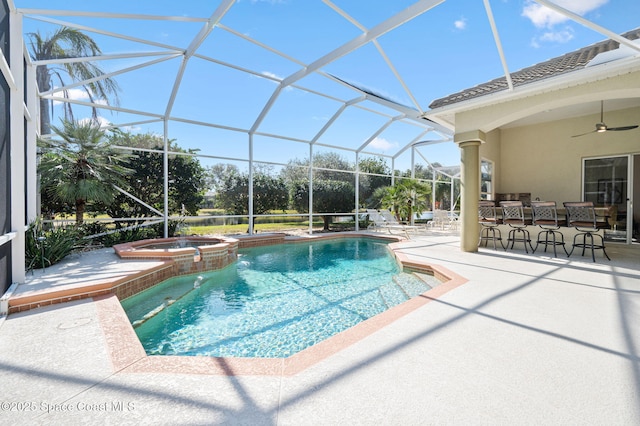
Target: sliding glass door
[{"x": 608, "y": 182}]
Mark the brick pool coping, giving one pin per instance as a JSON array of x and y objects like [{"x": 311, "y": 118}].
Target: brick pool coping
[
  {"x": 128, "y": 356},
  {"x": 121, "y": 284},
  {"x": 152, "y": 270},
  {"x": 211, "y": 253}
]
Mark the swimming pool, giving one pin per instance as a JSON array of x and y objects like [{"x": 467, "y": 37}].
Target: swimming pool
[{"x": 274, "y": 301}]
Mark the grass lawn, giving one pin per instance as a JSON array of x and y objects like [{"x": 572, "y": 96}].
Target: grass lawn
[{"x": 259, "y": 227}]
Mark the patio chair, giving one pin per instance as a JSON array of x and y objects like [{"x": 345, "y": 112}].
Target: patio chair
[
  {"x": 454, "y": 220},
  {"x": 489, "y": 221},
  {"x": 377, "y": 222},
  {"x": 582, "y": 216},
  {"x": 545, "y": 215},
  {"x": 392, "y": 223},
  {"x": 442, "y": 220},
  {"x": 513, "y": 215}
]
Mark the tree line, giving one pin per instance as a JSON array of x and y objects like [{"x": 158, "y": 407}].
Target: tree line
[{"x": 82, "y": 171}]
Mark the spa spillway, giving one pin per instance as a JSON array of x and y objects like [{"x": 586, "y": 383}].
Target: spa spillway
[{"x": 191, "y": 254}]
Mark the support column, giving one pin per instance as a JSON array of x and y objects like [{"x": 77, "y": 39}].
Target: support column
[
  {"x": 33, "y": 105},
  {"x": 357, "y": 209},
  {"x": 310, "y": 189},
  {"x": 17, "y": 151},
  {"x": 469, "y": 144},
  {"x": 165, "y": 167},
  {"x": 250, "y": 206}
]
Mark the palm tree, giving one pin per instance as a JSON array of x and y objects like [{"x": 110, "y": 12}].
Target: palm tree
[
  {"x": 62, "y": 44},
  {"x": 406, "y": 198},
  {"x": 82, "y": 167}
]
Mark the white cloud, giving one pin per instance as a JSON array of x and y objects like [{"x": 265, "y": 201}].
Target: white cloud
[
  {"x": 383, "y": 144},
  {"x": 461, "y": 23},
  {"x": 543, "y": 17},
  {"x": 79, "y": 95},
  {"x": 562, "y": 36},
  {"x": 101, "y": 120},
  {"x": 73, "y": 94},
  {"x": 275, "y": 78},
  {"x": 271, "y": 75},
  {"x": 546, "y": 19}
]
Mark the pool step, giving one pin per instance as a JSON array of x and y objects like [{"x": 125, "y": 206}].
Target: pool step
[
  {"x": 410, "y": 284},
  {"x": 384, "y": 299},
  {"x": 398, "y": 283},
  {"x": 402, "y": 288},
  {"x": 392, "y": 295},
  {"x": 428, "y": 279}
]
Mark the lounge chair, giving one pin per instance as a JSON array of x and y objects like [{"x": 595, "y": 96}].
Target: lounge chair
[
  {"x": 443, "y": 219},
  {"x": 377, "y": 222},
  {"x": 391, "y": 223}
]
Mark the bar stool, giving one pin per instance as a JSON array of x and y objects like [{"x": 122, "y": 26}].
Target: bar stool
[
  {"x": 489, "y": 221},
  {"x": 513, "y": 215},
  {"x": 582, "y": 216},
  {"x": 545, "y": 215}
]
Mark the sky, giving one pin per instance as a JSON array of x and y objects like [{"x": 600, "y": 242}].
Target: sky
[{"x": 444, "y": 50}]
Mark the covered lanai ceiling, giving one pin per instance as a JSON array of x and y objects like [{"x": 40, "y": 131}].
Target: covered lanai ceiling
[{"x": 356, "y": 76}]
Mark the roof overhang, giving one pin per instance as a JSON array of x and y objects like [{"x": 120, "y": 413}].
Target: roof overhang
[{"x": 446, "y": 115}]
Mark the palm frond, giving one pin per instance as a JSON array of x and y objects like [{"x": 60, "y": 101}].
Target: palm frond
[
  {"x": 81, "y": 167},
  {"x": 64, "y": 43}
]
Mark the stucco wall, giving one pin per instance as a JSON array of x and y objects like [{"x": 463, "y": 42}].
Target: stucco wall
[
  {"x": 544, "y": 159},
  {"x": 491, "y": 151},
  {"x": 547, "y": 162},
  {"x": 500, "y": 112},
  {"x": 636, "y": 194}
]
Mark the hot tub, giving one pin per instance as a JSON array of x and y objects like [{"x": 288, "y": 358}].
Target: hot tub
[{"x": 191, "y": 254}]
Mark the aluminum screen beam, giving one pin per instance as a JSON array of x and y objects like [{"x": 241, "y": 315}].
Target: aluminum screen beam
[
  {"x": 496, "y": 37},
  {"x": 380, "y": 50},
  {"x": 55, "y": 12},
  {"x": 395, "y": 21},
  {"x": 589, "y": 24},
  {"x": 193, "y": 46},
  {"x": 108, "y": 75},
  {"x": 107, "y": 33},
  {"x": 378, "y": 132}
]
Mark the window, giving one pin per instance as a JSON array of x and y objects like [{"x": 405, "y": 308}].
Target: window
[
  {"x": 606, "y": 185},
  {"x": 486, "y": 180}
]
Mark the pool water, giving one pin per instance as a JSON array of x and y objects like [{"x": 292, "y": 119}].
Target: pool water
[
  {"x": 274, "y": 301},
  {"x": 172, "y": 245}
]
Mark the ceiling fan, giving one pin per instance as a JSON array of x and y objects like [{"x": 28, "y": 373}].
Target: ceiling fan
[{"x": 601, "y": 127}]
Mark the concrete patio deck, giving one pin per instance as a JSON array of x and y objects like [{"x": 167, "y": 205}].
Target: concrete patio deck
[{"x": 529, "y": 339}]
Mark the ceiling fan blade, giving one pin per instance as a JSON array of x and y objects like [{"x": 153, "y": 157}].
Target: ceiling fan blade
[
  {"x": 601, "y": 127},
  {"x": 582, "y": 134},
  {"x": 615, "y": 129}
]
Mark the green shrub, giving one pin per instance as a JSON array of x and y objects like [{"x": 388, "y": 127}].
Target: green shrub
[
  {"x": 363, "y": 224},
  {"x": 93, "y": 228},
  {"x": 44, "y": 248},
  {"x": 128, "y": 235}
]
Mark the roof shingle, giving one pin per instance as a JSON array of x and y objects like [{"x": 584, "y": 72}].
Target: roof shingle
[{"x": 553, "y": 67}]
